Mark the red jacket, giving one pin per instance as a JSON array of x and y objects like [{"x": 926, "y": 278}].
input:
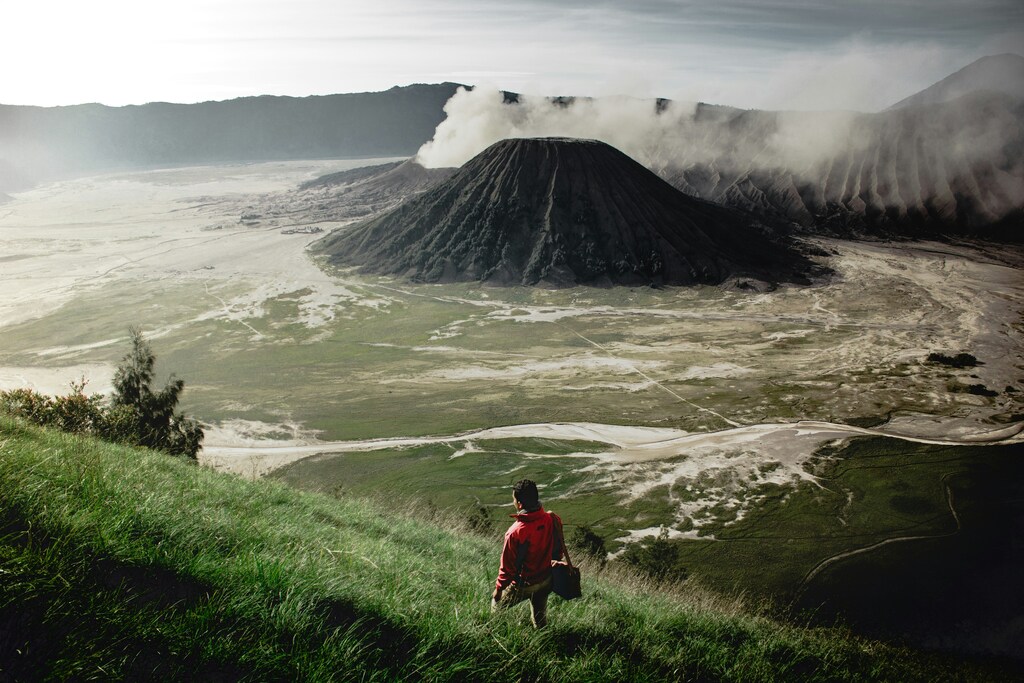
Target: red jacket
[{"x": 532, "y": 530}]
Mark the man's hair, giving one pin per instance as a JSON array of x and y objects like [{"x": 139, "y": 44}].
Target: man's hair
[{"x": 525, "y": 491}]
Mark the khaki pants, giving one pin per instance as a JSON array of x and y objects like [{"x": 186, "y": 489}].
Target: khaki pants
[{"x": 538, "y": 596}]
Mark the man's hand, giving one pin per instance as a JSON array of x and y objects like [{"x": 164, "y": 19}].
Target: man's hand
[{"x": 497, "y": 595}]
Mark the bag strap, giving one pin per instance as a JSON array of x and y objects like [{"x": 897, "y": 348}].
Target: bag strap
[
  {"x": 561, "y": 538},
  {"x": 521, "y": 553}
]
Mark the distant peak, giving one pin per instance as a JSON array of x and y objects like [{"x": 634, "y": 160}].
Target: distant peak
[
  {"x": 1000, "y": 73},
  {"x": 1004, "y": 57}
]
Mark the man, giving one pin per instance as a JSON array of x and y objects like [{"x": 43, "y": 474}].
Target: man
[{"x": 531, "y": 543}]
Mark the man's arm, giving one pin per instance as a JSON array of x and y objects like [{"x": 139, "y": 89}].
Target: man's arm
[{"x": 507, "y": 568}]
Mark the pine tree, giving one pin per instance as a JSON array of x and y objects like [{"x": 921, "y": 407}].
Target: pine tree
[{"x": 150, "y": 417}]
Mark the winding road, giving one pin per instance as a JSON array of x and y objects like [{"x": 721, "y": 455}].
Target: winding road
[{"x": 628, "y": 444}]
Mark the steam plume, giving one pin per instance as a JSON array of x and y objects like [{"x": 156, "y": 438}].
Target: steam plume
[
  {"x": 657, "y": 133},
  {"x": 951, "y": 162}
]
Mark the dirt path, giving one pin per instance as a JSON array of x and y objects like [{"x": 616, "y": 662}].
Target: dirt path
[{"x": 628, "y": 444}]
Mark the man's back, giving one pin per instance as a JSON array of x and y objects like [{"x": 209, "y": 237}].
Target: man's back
[{"x": 534, "y": 532}]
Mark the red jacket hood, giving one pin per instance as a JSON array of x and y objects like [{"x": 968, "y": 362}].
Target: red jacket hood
[{"x": 524, "y": 516}]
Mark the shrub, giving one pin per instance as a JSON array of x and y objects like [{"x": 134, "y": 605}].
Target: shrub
[
  {"x": 659, "y": 558},
  {"x": 480, "y": 521},
  {"x": 26, "y": 403},
  {"x": 981, "y": 390},
  {"x": 960, "y": 360},
  {"x": 584, "y": 539},
  {"x": 75, "y": 412},
  {"x": 973, "y": 389},
  {"x": 134, "y": 415}
]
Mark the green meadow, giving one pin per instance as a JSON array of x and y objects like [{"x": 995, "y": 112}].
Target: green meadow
[
  {"x": 870, "y": 491},
  {"x": 123, "y": 564}
]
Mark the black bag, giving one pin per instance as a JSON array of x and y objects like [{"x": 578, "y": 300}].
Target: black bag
[
  {"x": 565, "y": 581},
  {"x": 565, "y": 578}
]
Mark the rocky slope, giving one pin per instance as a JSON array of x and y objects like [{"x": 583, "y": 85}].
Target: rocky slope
[
  {"x": 997, "y": 73},
  {"x": 955, "y": 168},
  {"x": 355, "y": 175},
  {"x": 346, "y": 195},
  {"x": 560, "y": 212},
  {"x": 946, "y": 161},
  {"x": 379, "y": 184}
]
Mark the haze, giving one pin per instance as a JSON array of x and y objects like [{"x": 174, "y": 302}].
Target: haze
[{"x": 796, "y": 55}]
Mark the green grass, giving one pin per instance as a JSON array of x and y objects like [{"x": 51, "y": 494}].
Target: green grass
[
  {"x": 127, "y": 564},
  {"x": 462, "y": 484},
  {"x": 960, "y": 582},
  {"x": 868, "y": 491},
  {"x": 871, "y": 490}
]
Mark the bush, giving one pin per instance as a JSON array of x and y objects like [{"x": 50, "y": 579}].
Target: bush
[
  {"x": 27, "y": 404},
  {"x": 960, "y": 360},
  {"x": 973, "y": 389},
  {"x": 981, "y": 390},
  {"x": 589, "y": 543},
  {"x": 659, "y": 558},
  {"x": 480, "y": 521},
  {"x": 76, "y": 412},
  {"x": 134, "y": 415}
]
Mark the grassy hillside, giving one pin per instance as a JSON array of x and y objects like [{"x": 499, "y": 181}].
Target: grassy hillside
[
  {"x": 767, "y": 538},
  {"x": 125, "y": 564}
]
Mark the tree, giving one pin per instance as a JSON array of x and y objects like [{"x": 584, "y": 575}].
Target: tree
[
  {"x": 659, "y": 558},
  {"x": 589, "y": 543},
  {"x": 480, "y": 521},
  {"x": 149, "y": 417}
]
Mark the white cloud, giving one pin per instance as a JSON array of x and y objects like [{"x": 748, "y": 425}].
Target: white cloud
[
  {"x": 741, "y": 52},
  {"x": 477, "y": 119},
  {"x": 857, "y": 75}
]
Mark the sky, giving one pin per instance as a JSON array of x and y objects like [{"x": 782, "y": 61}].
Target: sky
[{"x": 799, "y": 54}]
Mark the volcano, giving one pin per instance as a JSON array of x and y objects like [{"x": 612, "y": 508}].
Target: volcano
[{"x": 560, "y": 212}]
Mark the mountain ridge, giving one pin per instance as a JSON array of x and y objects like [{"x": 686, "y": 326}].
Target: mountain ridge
[
  {"x": 922, "y": 171},
  {"x": 1001, "y": 73},
  {"x": 40, "y": 143}
]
